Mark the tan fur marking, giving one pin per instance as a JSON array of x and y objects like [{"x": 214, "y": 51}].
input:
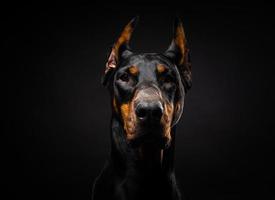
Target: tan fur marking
[
  {"x": 180, "y": 41},
  {"x": 128, "y": 119},
  {"x": 166, "y": 119},
  {"x": 115, "y": 105},
  {"x": 123, "y": 38},
  {"x": 133, "y": 70},
  {"x": 161, "y": 68}
]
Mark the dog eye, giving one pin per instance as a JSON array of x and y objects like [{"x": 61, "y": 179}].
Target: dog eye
[
  {"x": 166, "y": 79},
  {"x": 124, "y": 77}
]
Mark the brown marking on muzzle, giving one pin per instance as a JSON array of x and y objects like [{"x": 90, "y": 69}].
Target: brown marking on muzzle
[
  {"x": 166, "y": 119},
  {"x": 129, "y": 119}
]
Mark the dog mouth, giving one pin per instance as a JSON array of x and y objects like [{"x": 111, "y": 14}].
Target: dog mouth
[{"x": 149, "y": 132}]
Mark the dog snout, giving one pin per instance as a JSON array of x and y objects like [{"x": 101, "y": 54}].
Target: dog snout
[{"x": 149, "y": 111}]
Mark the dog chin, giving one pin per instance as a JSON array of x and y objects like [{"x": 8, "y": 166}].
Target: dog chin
[{"x": 156, "y": 140}]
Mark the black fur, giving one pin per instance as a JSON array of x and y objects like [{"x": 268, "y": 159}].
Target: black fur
[{"x": 126, "y": 176}]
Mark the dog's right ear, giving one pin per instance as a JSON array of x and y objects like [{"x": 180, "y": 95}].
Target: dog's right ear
[{"x": 119, "y": 50}]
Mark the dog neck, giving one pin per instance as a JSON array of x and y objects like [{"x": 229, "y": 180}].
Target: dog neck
[
  {"x": 149, "y": 157},
  {"x": 146, "y": 159}
]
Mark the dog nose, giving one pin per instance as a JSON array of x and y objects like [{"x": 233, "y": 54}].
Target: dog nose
[{"x": 149, "y": 111}]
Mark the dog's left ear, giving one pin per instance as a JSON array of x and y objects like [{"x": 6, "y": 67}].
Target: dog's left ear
[
  {"x": 180, "y": 55},
  {"x": 120, "y": 50}
]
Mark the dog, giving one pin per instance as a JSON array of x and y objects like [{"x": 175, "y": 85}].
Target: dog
[{"x": 147, "y": 98}]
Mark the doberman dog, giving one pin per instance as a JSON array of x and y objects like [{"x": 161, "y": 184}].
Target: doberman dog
[{"x": 147, "y": 98}]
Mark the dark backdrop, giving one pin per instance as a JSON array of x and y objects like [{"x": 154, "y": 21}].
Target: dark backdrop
[{"x": 56, "y": 113}]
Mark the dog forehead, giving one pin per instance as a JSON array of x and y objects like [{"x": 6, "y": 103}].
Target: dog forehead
[{"x": 147, "y": 61}]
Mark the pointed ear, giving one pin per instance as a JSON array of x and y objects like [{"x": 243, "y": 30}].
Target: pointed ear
[
  {"x": 120, "y": 49},
  {"x": 179, "y": 54}
]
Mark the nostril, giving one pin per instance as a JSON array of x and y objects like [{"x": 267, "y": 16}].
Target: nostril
[
  {"x": 157, "y": 112},
  {"x": 141, "y": 112}
]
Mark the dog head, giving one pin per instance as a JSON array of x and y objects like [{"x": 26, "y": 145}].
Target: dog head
[{"x": 148, "y": 89}]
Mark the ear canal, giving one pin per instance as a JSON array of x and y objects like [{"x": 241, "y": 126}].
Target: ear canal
[{"x": 179, "y": 53}]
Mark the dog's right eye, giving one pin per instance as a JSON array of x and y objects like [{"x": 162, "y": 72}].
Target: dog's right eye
[{"x": 124, "y": 77}]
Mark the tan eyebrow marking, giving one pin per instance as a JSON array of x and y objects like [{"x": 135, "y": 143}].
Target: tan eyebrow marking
[
  {"x": 133, "y": 70},
  {"x": 161, "y": 68}
]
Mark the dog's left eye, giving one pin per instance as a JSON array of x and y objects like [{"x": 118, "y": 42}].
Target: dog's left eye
[
  {"x": 124, "y": 77},
  {"x": 166, "y": 79}
]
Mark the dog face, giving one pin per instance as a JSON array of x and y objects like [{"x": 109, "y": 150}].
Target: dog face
[{"x": 148, "y": 89}]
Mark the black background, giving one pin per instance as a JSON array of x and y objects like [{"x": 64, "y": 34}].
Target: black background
[{"x": 56, "y": 113}]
